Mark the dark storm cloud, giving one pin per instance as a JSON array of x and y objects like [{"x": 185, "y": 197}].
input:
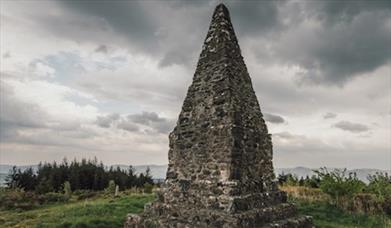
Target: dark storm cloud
[
  {"x": 336, "y": 11},
  {"x": 352, "y": 127},
  {"x": 329, "y": 115},
  {"x": 332, "y": 41},
  {"x": 254, "y": 17},
  {"x": 272, "y": 118},
  {"x": 128, "y": 18},
  {"x": 352, "y": 38}
]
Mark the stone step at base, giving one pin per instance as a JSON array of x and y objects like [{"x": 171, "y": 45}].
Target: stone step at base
[
  {"x": 260, "y": 216},
  {"x": 257, "y": 217},
  {"x": 294, "y": 222}
]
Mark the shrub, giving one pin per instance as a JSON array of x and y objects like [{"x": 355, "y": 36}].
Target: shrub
[
  {"x": 18, "y": 199},
  {"x": 380, "y": 185},
  {"x": 111, "y": 187},
  {"x": 53, "y": 197},
  {"x": 365, "y": 203},
  {"x": 305, "y": 193},
  {"x": 339, "y": 185},
  {"x": 84, "y": 194},
  {"x": 148, "y": 188},
  {"x": 67, "y": 189},
  {"x": 386, "y": 205}
]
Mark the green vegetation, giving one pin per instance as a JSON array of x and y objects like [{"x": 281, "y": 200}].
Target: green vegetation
[
  {"x": 343, "y": 190},
  {"x": 99, "y": 211},
  {"x": 333, "y": 199},
  {"x": 86, "y": 174},
  {"x": 103, "y": 210},
  {"x": 326, "y": 215}
]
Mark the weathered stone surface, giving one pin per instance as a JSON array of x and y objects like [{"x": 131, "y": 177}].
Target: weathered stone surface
[{"x": 220, "y": 171}]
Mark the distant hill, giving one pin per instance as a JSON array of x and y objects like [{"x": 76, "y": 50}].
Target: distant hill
[{"x": 159, "y": 171}]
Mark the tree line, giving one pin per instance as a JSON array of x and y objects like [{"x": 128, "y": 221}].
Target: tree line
[{"x": 81, "y": 175}]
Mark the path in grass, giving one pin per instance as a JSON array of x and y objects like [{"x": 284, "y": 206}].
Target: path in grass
[{"x": 99, "y": 212}]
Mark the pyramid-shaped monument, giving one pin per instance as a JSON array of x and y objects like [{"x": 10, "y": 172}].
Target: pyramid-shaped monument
[{"x": 220, "y": 171}]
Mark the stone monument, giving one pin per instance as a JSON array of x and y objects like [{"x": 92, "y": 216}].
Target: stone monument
[{"x": 220, "y": 171}]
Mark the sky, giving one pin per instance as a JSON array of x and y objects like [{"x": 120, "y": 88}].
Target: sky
[{"x": 106, "y": 79}]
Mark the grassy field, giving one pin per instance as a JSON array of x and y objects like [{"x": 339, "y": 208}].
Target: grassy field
[
  {"x": 96, "y": 212},
  {"x": 328, "y": 216},
  {"x": 110, "y": 212}
]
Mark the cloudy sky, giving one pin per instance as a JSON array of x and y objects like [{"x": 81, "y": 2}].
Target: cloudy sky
[{"x": 107, "y": 79}]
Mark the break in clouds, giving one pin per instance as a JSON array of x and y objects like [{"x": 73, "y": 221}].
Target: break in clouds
[{"x": 108, "y": 78}]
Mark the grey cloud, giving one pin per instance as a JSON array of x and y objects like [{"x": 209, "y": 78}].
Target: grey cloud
[
  {"x": 128, "y": 18},
  {"x": 335, "y": 11},
  {"x": 7, "y": 55},
  {"x": 337, "y": 51},
  {"x": 135, "y": 122},
  {"x": 146, "y": 118},
  {"x": 286, "y": 142},
  {"x": 16, "y": 114},
  {"x": 128, "y": 126},
  {"x": 329, "y": 115},
  {"x": 272, "y": 118},
  {"x": 352, "y": 127},
  {"x": 176, "y": 56},
  {"x": 102, "y": 49},
  {"x": 249, "y": 18},
  {"x": 108, "y": 120},
  {"x": 348, "y": 42},
  {"x": 284, "y": 135},
  {"x": 152, "y": 119},
  {"x": 255, "y": 17},
  {"x": 19, "y": 116}
]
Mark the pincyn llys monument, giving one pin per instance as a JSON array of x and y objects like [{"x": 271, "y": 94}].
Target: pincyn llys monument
[{"x": 220, "y": 171}]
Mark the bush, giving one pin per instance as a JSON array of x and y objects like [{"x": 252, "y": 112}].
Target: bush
[
  {"x": 305, "y": 193},
  {"x": 53, "y": 197},
  {"x": 366, "y": 203},
  {"x": 148, "y": 188},
  {"x": 380, "y": 185},
  {"x": 18, "y": 199},
  {"x": 339, "y": 185},
  {"x": 110, "y": 188},
  {"x": 386, "y": 205},
  {"x": 84, "y": 194},
  {"x": 67, "y": 189}
]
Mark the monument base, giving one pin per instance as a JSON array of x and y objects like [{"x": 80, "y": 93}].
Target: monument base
[
  {"x": 283, "y": 216},
  {"x": 192, "y": 206}
]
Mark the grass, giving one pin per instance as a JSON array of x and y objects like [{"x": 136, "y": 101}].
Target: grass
[
  {"x": 103, "y": 211},
  {"x": 97, "y": 212},
  {"x": 329, "y": 216}
]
